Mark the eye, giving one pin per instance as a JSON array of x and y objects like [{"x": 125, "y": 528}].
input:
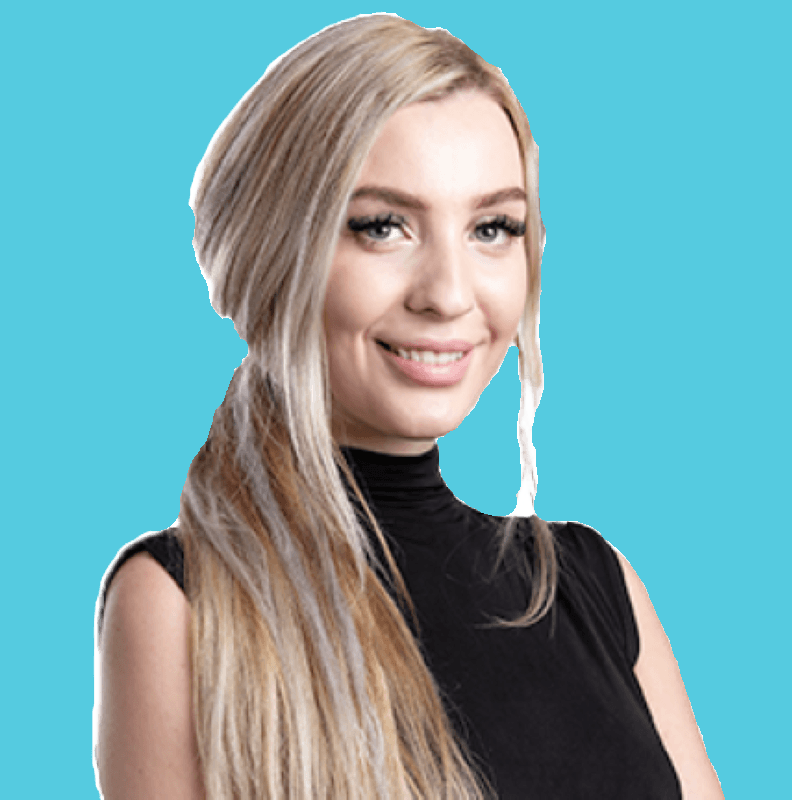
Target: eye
[
  {"x": 379, "y": 229},
  {"x": 498, "y": 230}
]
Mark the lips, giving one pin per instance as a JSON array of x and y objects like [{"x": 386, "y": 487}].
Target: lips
[{"x": 430, "y": 362}]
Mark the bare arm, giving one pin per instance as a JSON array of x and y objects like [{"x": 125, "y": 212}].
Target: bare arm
[
  {"x": 658, "y": 673},
  {"x": 145, "y": 748}
]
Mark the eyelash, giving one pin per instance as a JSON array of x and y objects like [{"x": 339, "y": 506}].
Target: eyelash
[
  {"x": 360, "y": 225},
  {"x": 515, "y": 228}
]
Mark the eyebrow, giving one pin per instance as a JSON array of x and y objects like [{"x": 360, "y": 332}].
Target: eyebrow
[{"x": 405, "y": 200}]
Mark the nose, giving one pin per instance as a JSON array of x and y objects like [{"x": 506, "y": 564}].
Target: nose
[{"x": 442, "y": 283}]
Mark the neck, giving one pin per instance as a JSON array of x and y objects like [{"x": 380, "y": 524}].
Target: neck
[{"x": 388, "y": 445}]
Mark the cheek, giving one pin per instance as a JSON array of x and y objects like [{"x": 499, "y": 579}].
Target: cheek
[
  {"x": 508, "y": 303},
  {"x": 340, "y": 327},
  {"x": 343, "y": 305},
  {"x": 353, "y": 305},
  {"x": 359, "y": 296}
]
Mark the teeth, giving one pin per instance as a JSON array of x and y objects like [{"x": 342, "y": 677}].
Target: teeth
[{"x": 430, "y": 357}]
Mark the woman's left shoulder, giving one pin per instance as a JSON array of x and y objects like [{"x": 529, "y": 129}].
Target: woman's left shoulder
[
  {"x": 580, "y": 545},
  {"x": 576, "y": 533}
]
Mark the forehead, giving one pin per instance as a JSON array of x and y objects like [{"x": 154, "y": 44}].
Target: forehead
[{"x": 451, "y": 149}]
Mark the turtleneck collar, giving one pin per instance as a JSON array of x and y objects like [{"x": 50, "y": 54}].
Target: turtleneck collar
[{"x": 403, "y": 483}]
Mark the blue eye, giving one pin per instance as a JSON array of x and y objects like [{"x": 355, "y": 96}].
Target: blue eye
[
  {"x": 492, "y": 230},
  {"x": 377, "y": 229}
]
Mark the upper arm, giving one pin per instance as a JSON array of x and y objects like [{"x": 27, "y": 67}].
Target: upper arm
[
  {"x": 145, "y": 747},
  {"x": 658, "y": 674}
]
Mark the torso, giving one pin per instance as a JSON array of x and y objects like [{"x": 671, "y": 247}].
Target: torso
[{"x": 550, "y": 711}]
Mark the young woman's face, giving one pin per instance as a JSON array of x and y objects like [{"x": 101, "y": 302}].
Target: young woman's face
[{"x": 429, "y": 279}]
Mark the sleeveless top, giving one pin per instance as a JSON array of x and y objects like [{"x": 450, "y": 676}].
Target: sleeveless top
[{"x": 552, "y": 711}]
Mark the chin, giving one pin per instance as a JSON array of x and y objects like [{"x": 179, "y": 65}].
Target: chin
[{"x": 427, "y": 429}]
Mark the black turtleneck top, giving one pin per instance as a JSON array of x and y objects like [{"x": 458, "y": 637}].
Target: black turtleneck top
[{"x": 552, "y": 711}]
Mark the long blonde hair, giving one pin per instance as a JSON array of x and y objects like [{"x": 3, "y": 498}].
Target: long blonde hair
[{"x": 307, "y": 681}]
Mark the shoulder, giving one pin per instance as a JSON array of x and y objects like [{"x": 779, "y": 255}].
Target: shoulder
[
  {"x": 577, "y": 538},
  {"x": 164, "y": 548},
  {"x": 591, "y": 578},
  {"x": 145, "y": 742},
  {"x": 146, "y": 614},
  {"x": 146, "y": 618},
  {"x": 140, "y": 584},
  {"x": 583, "y": 551}
]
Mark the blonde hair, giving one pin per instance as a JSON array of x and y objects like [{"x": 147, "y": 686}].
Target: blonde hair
[{"x": 307, "y": 681}]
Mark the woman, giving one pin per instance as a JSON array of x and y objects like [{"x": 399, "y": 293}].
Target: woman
[{"x": 335, "y": 623}]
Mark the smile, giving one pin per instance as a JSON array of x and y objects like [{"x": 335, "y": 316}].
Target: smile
[
  {"x": 429, "y": 367},
  {"x": 425, "y": 356}
]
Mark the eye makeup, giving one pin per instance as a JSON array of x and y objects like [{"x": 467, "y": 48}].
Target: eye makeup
[
  {"x": 377, "y": 227},
  {"x": 514, "y": 227}
]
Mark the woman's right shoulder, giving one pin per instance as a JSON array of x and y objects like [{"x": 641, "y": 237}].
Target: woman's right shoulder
[
  {"x": 145, "y": 740},
  {"x": 142, "y": 598},
  {"x": 164, "y": 548}
]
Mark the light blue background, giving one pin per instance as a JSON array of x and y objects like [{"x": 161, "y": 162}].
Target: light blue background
[{"x": 664, "y": 137}]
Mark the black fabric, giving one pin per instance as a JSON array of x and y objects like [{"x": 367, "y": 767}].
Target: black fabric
[{"x": 551, "y": 712}]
